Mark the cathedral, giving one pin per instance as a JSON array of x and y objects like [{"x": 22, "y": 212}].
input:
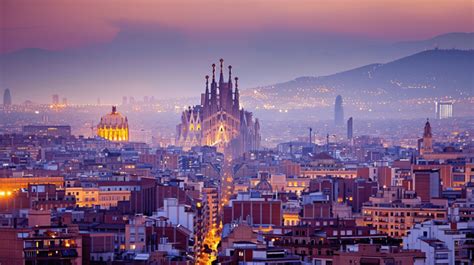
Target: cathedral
[{"x": 219, "y": 121}]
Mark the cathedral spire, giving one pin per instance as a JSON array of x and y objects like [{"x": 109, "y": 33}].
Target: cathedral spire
[
  {"x": 213, "y": 102},
  {"x": 206, "y": 95},
  {"x": 236, "y": 95},
  {"x": 213, "y": 73},
  {"x": 221, "y": 76},
  {"x": 230, "y": 76}
]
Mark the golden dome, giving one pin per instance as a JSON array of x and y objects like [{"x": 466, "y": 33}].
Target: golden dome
[{"x": 113, "y": 126}]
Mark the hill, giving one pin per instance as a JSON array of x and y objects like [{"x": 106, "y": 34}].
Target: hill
[{"x": 425, "y": 75}]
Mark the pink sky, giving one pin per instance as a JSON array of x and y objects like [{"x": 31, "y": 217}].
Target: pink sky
[{"x": 56, "y": 25}]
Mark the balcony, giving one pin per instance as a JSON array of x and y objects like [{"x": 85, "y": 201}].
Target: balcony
[{"x": 51, "y": 254}]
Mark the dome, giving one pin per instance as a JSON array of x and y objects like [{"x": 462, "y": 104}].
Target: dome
[
  {"x": 114, "y": 120},
  {"x": 113, "y": 126}
]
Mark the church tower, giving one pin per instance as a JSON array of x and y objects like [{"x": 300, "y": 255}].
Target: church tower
[{"x": 425, "y": 145}]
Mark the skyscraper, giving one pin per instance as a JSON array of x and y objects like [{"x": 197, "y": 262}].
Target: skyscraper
[
  {"x": 55, "y": 99},
  {"x": 338, "y": 111},
  {"x": 7, "y": 98},
  {"x": 349, "y": 129},
  {"x": 444, "y": 109}
]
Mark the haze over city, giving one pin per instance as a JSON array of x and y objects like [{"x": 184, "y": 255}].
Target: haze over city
[
  {"x": 324, "y": 132},
  {"x": 161, "y": 48}
]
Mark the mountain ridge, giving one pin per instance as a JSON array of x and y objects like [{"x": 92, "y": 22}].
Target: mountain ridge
[{"x": 432, "y": 73}]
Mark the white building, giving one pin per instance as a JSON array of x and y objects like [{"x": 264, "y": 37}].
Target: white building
[
  {"x": 438, "y": 240},
  {"x": 444, "y": 109},
  {"x": 177, "y": 214}
]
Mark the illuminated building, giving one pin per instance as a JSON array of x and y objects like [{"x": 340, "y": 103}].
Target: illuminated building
[
  {"x": 444, "y": 109},
  {"x": 44, "y": 130},
  {"x": 85, "y": 197},
  {"x": 113, "y": 127},
  {"x": 135, "y": 236},
  {"x": 16, "y": 183},
  {"x": 219, "y": 121},
  {"x": 394, "y": 211},
  {"x": 40, "y": 242},
  {"x": 94, "y": 196}
]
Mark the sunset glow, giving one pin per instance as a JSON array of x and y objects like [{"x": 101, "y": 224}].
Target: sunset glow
[{"x": 57, "y": 25}]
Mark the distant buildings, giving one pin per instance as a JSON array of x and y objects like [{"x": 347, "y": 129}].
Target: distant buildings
[
  {"x": 350, "y": 129},
  {"x": 443, "y": 109},
  {"x": 351, "y": 202},
  {"x": 55, "y": 99},
  {"x": 44, "y": 130},
  {"x": 113, "y": 127},
  {"x": 218, "y": 120},
  {"x": 338, "y": 111},
  {"x": 7, "y": 97}
]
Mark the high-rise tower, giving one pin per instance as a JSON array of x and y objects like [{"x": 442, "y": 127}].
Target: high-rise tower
[
  {"x": 7, "y": 97},
  {"x": 350, "y": 129},
  {"x": 55, "y": 99},
  {"x": 338, "y": 111}
]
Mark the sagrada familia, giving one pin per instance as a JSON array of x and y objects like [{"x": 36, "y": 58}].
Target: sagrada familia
[{"x": 219, "y": 121}]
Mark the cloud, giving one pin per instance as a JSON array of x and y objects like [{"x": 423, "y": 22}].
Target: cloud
[{"x": 72, "y": 24}]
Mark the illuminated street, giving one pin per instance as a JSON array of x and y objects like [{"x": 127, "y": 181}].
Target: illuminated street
[{"x": 213, "y": 237}]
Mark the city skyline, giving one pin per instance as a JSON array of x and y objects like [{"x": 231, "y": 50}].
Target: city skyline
[{"x": 302, "y": 132}]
